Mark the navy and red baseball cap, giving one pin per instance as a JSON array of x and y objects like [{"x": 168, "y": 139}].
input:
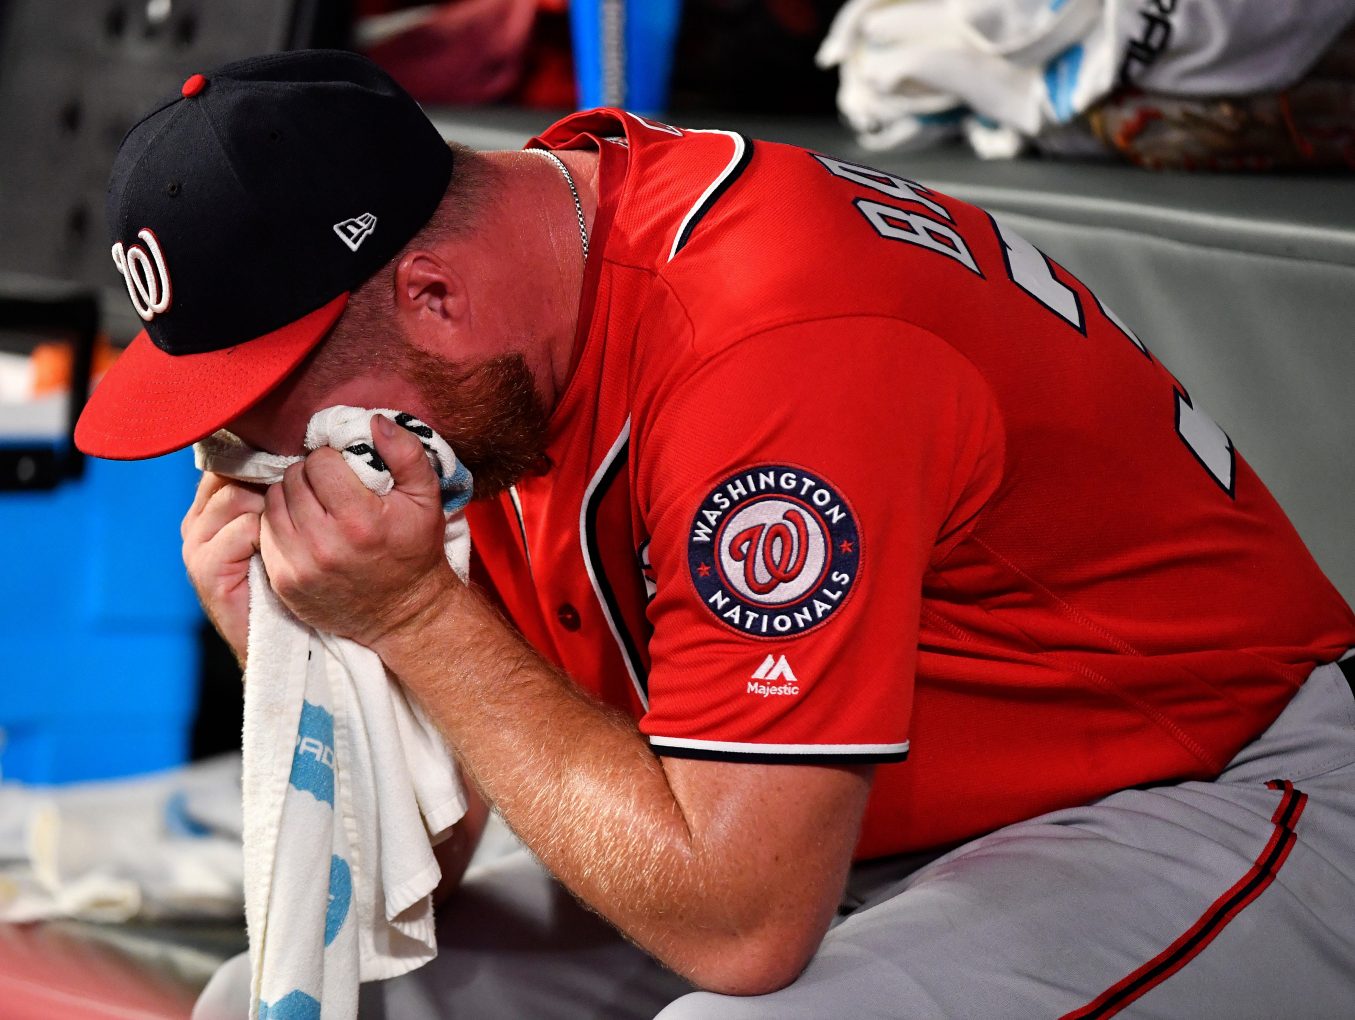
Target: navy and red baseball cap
[{"x": 243, "y": 211}]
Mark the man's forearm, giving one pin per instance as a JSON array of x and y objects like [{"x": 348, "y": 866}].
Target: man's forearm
[{"x": 574, "y": 779}]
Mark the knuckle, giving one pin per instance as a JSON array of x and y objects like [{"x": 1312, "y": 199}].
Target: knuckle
[
  {"x": 220, "y": 498},
  {"x": 360, "y": 532},
  {"x": 317, "y": 470},
  {"x": 284, "y": 583},
  {"x": 238, "y": 544},
  {"x": 192, "y": 535},
  {"x": 244, "y": 500},
  {"x": 198, "y": 561},
  {"x": 324, "y": 556}
]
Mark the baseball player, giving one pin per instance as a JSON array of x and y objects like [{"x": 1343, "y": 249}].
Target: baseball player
[{"x": 868, "y": 623}]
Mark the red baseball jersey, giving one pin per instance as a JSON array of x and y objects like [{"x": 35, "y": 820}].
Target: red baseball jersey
[{"x": 848, "y": 471}]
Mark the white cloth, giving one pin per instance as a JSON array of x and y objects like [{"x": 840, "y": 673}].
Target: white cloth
[
  {"x": 915, "y": 72},
  {"x": 347, "y": 785},
  {"x": 158, "y": 847}
]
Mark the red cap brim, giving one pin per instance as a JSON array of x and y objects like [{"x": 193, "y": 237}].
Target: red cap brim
[{"x": 150, "y": 403}]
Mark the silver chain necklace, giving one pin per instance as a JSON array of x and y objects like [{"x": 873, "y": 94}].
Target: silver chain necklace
[{"x": 578, "y": 205}]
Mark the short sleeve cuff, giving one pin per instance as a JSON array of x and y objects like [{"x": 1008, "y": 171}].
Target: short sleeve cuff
[{"x": 778, "y": 754}]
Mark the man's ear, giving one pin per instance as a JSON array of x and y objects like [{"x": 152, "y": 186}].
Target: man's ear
[{"x": 430, "y": 297}]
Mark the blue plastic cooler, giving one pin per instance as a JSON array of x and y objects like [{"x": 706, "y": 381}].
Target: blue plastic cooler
[{"x": 98, "y": 624}]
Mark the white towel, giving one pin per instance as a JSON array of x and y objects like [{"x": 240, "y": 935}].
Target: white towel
[
  {"x": 158, "y": 847},
  {"x": 914, "y": 72},
  {"x": 347, "y": 785}
]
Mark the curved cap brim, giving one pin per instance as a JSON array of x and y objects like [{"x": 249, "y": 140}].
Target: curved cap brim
[{"x": 151, "y": 403}]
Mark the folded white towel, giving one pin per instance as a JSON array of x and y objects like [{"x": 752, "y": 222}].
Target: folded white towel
[
  {"x": 158, "y": 847},
  {"x": 347, "y": 785}
]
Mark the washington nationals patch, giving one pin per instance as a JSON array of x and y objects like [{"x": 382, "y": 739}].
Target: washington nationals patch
[{"x": 774, "y": 551}]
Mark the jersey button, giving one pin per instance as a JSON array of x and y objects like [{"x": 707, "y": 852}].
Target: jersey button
[{"x": 568, "y": 616}]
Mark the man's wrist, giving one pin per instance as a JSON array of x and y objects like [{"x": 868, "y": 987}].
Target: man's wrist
[{"x": 425, "y": 605}]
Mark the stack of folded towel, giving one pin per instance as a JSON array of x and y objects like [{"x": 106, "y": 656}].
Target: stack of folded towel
[{"x": 1004, "y": 72}]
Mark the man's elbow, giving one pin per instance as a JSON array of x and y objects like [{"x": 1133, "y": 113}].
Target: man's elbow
[{"x": 751, "y": 964}]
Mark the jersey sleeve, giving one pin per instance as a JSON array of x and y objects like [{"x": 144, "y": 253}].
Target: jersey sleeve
[{"x": 795, "y": 487}]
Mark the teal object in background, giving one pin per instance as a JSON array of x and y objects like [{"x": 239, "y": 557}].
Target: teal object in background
[
  {"x": 98, "y": 624},
  {"x": 623, "y": 52}
]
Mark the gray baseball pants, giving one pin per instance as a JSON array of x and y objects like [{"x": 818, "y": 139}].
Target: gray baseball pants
[{"x": 1233, "y": 898}]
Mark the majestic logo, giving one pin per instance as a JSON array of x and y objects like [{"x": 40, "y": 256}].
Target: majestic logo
[
  {"x": 774, "y": 668},
  {"x": 764, "y": 682},
  {"x": 354, "y": 231},
  {"x": 774, "y": 551},
  {"x": 146, "y": 275}
]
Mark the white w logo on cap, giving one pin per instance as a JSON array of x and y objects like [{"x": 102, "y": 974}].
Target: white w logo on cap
[{"x": 146, "y": 275}]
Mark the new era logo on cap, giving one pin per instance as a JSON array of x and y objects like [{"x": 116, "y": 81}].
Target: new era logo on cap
[{"x": 355, "y": 230}]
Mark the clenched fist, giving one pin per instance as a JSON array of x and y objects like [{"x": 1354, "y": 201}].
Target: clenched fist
[{"x": 349, "y": 562}]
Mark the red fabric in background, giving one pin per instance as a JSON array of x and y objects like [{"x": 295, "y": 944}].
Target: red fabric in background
[{"x": 481, "y": 51}]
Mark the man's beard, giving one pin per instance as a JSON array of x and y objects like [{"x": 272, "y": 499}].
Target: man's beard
[{"x": 490, "y": 415}]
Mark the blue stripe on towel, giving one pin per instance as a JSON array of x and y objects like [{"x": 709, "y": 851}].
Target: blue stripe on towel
[
  {"x": 340, "y": 896},
  {"x": 295, "y": 1005},
  {"x": 1060, "y": 79},
  {"x": 456, "y": 489},
  {"x": 313, "y": 759}
]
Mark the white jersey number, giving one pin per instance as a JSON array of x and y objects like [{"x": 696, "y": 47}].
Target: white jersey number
[
  {"x": 1030, "y": 269},
  {"x": 933, "y": 227}
]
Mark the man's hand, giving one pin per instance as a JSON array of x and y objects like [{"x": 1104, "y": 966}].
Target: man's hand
[
  {"x": 346, "y": 561},
  {"x": 220, "y": 535}
]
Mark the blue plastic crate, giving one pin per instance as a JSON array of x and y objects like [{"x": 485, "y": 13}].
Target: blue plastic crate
[{"x": 98, "y": 624}]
